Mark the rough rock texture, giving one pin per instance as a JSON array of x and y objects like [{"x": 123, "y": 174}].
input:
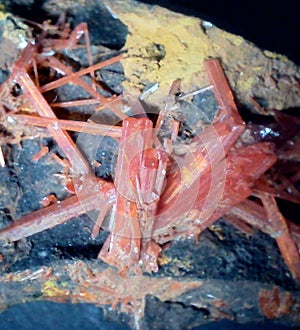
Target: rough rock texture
[
  {"x": 104, "y": 27},
  {"x": 148, "y": 302},
  {"x": 256, "y": 75},
  {"x": 13, "y": 36},
  {"x": 163, "y": 46}
]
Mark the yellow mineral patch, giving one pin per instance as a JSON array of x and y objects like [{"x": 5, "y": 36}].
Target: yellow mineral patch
[
  {"x": 3, "y": 15},
  {"x": 163, "y": 46},
  {"x": 272, "y": 55},
  {"x": 164, "y": 260},
  {"x": 232, "y": 38},
  {"x": 245, "y": 84},
  {"x": 51, "y": 289}
]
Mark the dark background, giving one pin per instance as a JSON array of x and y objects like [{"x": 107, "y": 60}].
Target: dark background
[{"x": 272, "y": 25}]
